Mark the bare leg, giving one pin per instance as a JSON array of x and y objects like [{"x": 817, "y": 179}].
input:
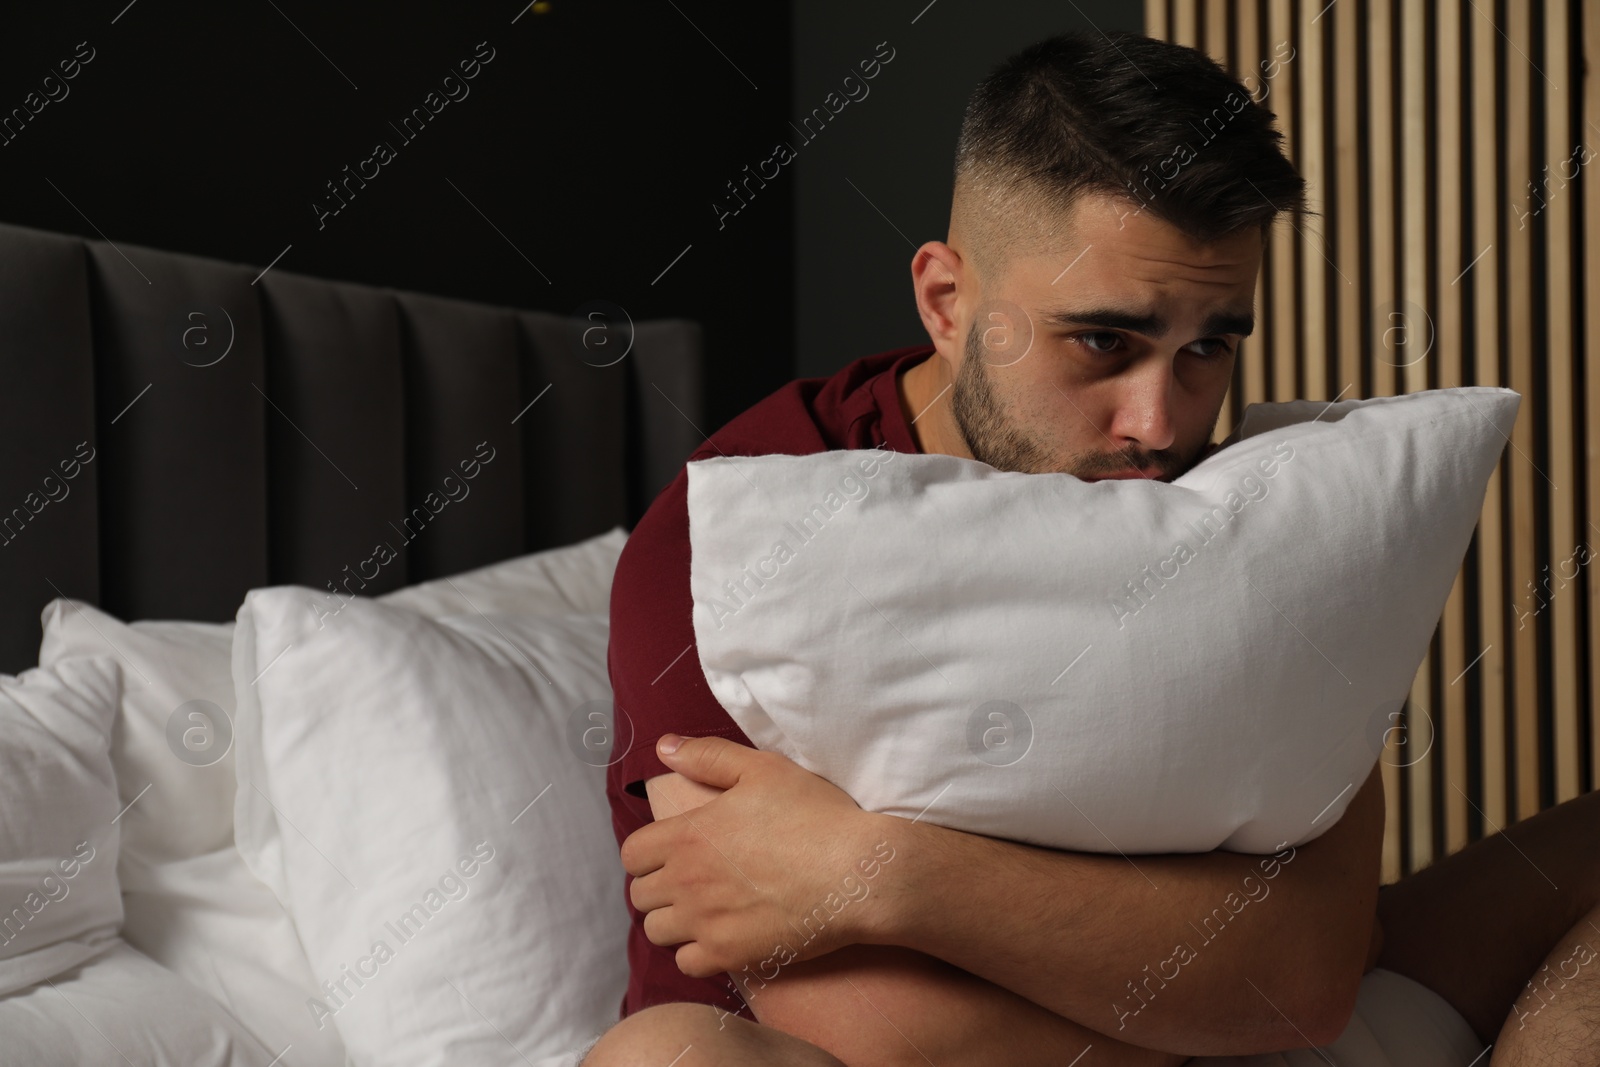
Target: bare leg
[
  {"x": 698, "y": 1035},
  {"x": 1556, "y": 1020},
  {"x": 1477, "y": 926}
]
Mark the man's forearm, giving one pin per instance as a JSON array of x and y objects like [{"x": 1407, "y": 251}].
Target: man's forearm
[
  {"x": 1206, "y": 954},
  {"x": 886, "y": 1006}
]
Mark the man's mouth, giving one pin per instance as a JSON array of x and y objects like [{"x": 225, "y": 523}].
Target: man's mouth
[{"x": 1147, "y": 473}]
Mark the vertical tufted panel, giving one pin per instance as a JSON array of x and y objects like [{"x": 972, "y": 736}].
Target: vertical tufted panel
[
  {"x": 182, "y": 453},
  {"x": 48, "y": 522},
  {"x": 336, "y": 449},
  {"x": 462, "y": 384},
  {"x": 664, "y": 407},
  {"x": 575, "y": 434}
]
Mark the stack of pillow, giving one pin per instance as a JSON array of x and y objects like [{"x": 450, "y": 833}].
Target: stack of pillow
[{"x": 339, "y": 830}]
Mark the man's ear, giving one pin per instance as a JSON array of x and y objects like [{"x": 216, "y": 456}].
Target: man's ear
[{"x": 935, "y": 272}]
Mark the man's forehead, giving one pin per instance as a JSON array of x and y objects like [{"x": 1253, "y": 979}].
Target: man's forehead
[
  {"x": 1122, "y": 229},
  {"x": 1152, "y": 321}
]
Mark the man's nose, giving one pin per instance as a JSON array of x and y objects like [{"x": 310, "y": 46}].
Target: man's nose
[{"x": 1146, "y": 405}]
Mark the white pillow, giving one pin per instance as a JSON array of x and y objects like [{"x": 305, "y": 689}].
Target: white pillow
[
  {"x": 191, "y": 903},
  {"x": 58, "y": 820},
  {"x": 414, "y": 791},
  {"x": 207, "y": 919},
  {"x": 171, "y": 744},
  {"x": 572, "y": 578},
  {"x": 1033, "y": 657},
  {"x": 121, "y": 1008}
]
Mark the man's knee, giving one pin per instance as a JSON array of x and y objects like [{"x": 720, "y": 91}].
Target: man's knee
[{"x": 658, "y": 1035}]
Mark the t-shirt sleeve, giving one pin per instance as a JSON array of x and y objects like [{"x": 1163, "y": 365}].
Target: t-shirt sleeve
[{"x": 657, "y": 684}]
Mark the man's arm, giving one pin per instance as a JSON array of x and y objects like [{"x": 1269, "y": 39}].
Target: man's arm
[
  {"x": 884, "y": 1006},
  {"x": 1073, "y": 933},
  {"x": 1216, "y": 953}
]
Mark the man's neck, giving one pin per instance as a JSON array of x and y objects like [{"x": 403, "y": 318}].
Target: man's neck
[{"x": 925, "y": 391}]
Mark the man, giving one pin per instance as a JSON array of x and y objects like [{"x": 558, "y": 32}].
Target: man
[{"x": 1111, "y": 202}]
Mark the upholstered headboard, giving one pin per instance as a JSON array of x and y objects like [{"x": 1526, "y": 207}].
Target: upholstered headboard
[{"x": 177, "y": 430}]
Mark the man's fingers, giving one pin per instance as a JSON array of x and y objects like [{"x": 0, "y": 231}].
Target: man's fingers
[
  {"x": 661, "y": 928},
  {"x": 640, "y": 854},
  {"x": 713, "y": 761}
]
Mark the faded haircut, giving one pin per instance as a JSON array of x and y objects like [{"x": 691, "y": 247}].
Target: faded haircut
[{"x": 1161, "y": 126}]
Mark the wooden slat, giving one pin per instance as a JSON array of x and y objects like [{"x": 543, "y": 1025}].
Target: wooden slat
[
  {"x": 1216, "y": 43},
  {"x": 1354, "y": 332},
  {"x": 1522, "y": 473},
  {"x": 1448, "y": 356},
  {"x": 1591, "y": 345},
  {"x": 1562, "y": 429},
  {"x": 1312, "y": 163},
  {"x": 1381, "y": 165},
  {"x": 1286, "y": 339},
  {"x": 1250, "y": 380},
  {"x": 1482, "y": 271},
  {"x": 1220, "y": 27},
  {"x": 1415, "y": 363},
  {"x": 1155, "y": 18},
  {"x": 1381, "y": 162},
  {"x": 1186, "y": 22}
]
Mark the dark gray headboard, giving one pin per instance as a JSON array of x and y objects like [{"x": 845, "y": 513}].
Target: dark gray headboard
[{"x": 334, "y": 414}]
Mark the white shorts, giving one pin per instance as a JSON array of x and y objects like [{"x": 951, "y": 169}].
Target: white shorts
[{"x": 1398, "y": 1022}]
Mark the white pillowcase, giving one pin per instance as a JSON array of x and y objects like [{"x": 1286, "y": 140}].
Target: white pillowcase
[
  {"x": 415, "y": 792},
  {"x": 1034, "y": 657},
  {"x": 181, "y": 806},
  {"x": 59, "y": 904},
  {"x": 185, "y": 804},
  {"x": 572, "y": 578},
  {"x": 191, "y": 903},
  {"x": 121, "y": 1008}
]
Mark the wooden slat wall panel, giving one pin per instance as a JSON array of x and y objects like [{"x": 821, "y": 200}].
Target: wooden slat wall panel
[
  {"x": 1390, "y": 329},
  {"x": 1483, "y": 275},
  {"x": 1281, "y": 261},
  {"x": 1451, "y": 713},
  {"x": 1561, "y": 435},
  {"x": 1448, "y": 148},
  {"x": 1521, "y": 469},
  {"x": 1250, "y": 369},
  {"x": 1589, "y": 254},
  {"x": 1415, "y": 362}
]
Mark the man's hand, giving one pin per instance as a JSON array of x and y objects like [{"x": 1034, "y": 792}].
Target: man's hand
[
  {"x": 781, "y": 860},
  {"x": 888, "y": 1006}
]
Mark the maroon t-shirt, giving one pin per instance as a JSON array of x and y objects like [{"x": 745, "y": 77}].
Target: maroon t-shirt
[{"x": 656, "y": 681}]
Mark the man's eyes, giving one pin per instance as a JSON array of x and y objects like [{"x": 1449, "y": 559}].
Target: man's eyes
[
  {"x": 1089, "y": 340},
  {"x": 1219, "y": 350},
  {"x": 1107, "y": 342}
]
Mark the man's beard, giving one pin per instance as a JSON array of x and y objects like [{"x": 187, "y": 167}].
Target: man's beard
[
  {"x": 990, "y": 437},
  {"x": 995, "y": 440}
]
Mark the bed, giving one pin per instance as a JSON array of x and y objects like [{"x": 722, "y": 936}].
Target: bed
[{"x": 180, "y": 431}]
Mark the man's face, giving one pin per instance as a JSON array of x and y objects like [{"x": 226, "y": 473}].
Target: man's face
[{"x": 1110, "y": 357}]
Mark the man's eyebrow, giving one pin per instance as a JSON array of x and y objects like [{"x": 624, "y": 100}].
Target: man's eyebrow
[
  {"x": 1148, "y": 323},
  {"x": 1242, "y": 323}
]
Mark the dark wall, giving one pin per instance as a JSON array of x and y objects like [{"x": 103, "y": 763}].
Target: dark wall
[
  {"x": 580, "y": 162},
  {"x": 876, "y": 182}
]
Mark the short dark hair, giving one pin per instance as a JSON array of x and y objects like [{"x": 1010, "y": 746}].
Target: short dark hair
[{"x": 1127, "y": 115}]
